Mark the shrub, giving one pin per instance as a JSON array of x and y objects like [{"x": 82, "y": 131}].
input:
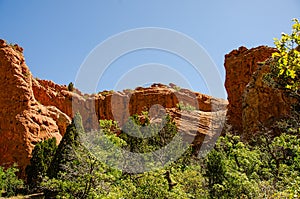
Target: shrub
[
  {"x": 177, "y": 88},
  {"x": 9, "y": 182},
  {"x": 185, "y": 107},
  {"x": 71, "y": 87},
  {"x": 105, "y": 92},
  {"x": 285, "y": 70},
  {"x": 42, "y": 156},
  {"x": 231, "y": 169}
]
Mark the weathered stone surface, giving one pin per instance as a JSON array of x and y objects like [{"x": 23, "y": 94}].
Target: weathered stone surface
[
  {"x": 32, "y": 110},
  {"x": 252, "y": 102},
  {"x": 262, "y": 104},
  {"x": 240, "y": 65},
  {"x": 203, "y": 128},
  {"x": 119, "y": 105},
  {"x": 23, "y": 121}
]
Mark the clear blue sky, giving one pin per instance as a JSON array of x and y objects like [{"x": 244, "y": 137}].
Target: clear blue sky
[{"x": 58, "y": 35}]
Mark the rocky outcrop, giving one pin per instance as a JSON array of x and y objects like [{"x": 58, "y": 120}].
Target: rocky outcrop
[
  {"x": 32, "y": 110},
  {"x": 23, "y": 121},
  {"x": 203, "y": 128},
  {"x": 202, "y": 125},
  {"x": 240, "y": 65},
  {"x": 252, "y": 102},
  {"x": 262, "y": 104},
  {"x": 119, "y": 106}
]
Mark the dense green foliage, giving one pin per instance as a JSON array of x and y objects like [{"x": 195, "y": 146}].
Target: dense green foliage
[
  {"x": 267, "y": 168},
  {"x": 285, "y": 69},
  {"x": 42, "y": 156},
  {"x": 157, "y": 135},
  {"x": 9, "y": 182},
  {"x": 76, "y": 173}
]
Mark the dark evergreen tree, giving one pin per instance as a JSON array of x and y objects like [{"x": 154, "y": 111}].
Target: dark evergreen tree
[
  {"x": 71, "y": 87},
  {"x": 73, "y": 168},
  {"x": 66, "y": 152},
  {"x": 42, "y": 156}
]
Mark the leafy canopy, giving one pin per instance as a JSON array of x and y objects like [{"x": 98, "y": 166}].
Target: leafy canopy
[
  {"x": 9, "y": 182},
  {"x": 287, "y": 65}
]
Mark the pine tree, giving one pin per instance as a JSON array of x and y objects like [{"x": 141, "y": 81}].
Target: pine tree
[
  {"x": 66, "y": 152},
  {"x": 42, "y": 156}
]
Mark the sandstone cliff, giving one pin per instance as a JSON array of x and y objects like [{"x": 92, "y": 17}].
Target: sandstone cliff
[
  {"x": 32, "y": 110},
  {"x": 23, "y": 121},
  {"x": 240, "y": 65},
  {"x": 206, "y": 120},
  {"x": 252, "y": 102},
  {"x": 120, "y": 105},
  {"x": 262, "y": 104}
]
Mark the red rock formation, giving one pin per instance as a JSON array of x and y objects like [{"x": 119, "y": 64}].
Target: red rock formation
[
  {"x": 34, "y": 110},
  {"x": 252, "y": 103},
  {"x": 119, "y": 105},
  {"x": 203, "y": 125},
  {"x": 240, "y": 65},
  {"x": 23, "y": 121},
  {"x": 262, "y": 104}
]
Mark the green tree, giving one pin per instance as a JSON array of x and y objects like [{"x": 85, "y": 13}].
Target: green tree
[
  {"x": 215, "y": 168},
  {"x": 158, "y": 135},
  {"x": 231, "y": 169},
  {"x": 65, "y": 168},
  {"x": 281, "y": 156},
  {"x": 9, "y": 182},
  {"x": 66, "y": 149},
  {"x": 42, "y": 156},
  {"x": 75, "y": 172},
  {"x": 285, "y": 70},
  {"x": 71, "y": 87}
]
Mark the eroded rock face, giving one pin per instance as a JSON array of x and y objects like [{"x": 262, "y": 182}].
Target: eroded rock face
[
  {"x": 32, "y": 110},
  {"x": 119, "y": 106},
  {"x": 262, "y": 104},
  {"x": 240, "y": 65},
  {"x": 23, "y": 121},
  {"x": 199, "y": 127},
  {"x": 252, "y": 102}
]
